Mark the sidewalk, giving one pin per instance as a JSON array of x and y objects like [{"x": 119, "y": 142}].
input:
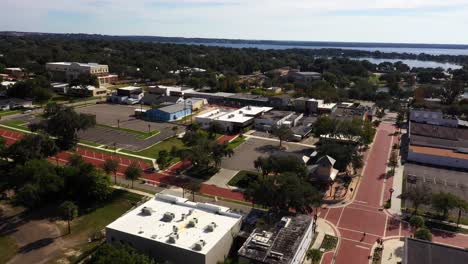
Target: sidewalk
[
  {"x": 323, "y": 228},
  {"x": 393, "y": 251},
  {"x": 395, "y": 208}
]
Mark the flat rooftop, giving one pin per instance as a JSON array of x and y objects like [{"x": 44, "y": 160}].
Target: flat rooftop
[
  {"x": 462, "y": 154},
  {"x": 244, "y": 114},
  {"x": 423, "y": 252},
  {"x": 277, "y": 244},
  {"x": 214, "y": 114},
  {"x": 130, "y": 88},
  {"x": 89, "y": 64},
  {"x": 166, "y": 215},
  {"x": 276, "y": 115}
]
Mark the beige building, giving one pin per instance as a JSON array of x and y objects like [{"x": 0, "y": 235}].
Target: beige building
[{"x": 67, "y": 71}]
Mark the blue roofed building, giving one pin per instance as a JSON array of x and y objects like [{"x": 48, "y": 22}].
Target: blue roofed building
[{"x": 168, "y": 113}]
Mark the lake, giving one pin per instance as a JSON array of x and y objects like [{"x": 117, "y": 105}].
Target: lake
[
  {"x": 432, "y": 51},
  {"x": 411, "y": 63}
]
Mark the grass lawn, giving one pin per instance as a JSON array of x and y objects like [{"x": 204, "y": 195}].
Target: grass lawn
[
  {"x": 236, "y": 142},
  {"x": 153, "y": 151},
  {"x": 92, "y": 222},
  {"x": 16, "y": 124},
  {"x": 8, "y": 248},
  {"x": 139, "y": 134},
  {"x": 9, "y": 112},
  {"x": 243, "y": 178},
  {"x": 91, "y": 143},
  {"x": 329, "y": 242}
]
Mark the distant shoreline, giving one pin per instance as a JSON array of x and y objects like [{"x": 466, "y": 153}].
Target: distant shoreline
[{"x": 183, "y": 40}]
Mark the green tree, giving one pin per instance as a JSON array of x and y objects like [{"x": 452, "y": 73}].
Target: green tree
[
  {"x": 344, "y": 154},
  {"x": 282, "y": 133},
  {"x": 283, "y": 192},
  {"x": 69, "y": 211},
  {"x": 419, "y": 195},
  {"x": 193, "y": 187},
  {"x": 30, "y": 147},
  {"x": 423, "y": 234},
  {"x": 174, "y": 129},
  {"x": 462, "y": 205},
  {"x": 315, "y": 255},
  {"x": 444, "y": 202},
  {"x": 64, "y": 123},
  {"x": 37, "y": 183},
  {"x": 416, "y": 222},
  {"x": 451, "y": 91},
  {"x": 133, "y": 172},
  {"x": 41, "y": 95},
  {"x": 111, "y": 166},
  {"x": 393, "y": 160},
  {"x": 118, "y": 254},
  {"x": 164, "y": 159}
]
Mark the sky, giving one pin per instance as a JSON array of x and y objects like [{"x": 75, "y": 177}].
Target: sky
[{"x": 396, "y": 21}]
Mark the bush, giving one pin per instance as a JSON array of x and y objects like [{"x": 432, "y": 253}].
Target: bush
[
  {"x": 243, "y": 179},
  {"x": 314, "y": 255},
  {"x": 202, "y": 172},
  {"x": 416, "y": 221},
  {"x": 423, "y": 234}
]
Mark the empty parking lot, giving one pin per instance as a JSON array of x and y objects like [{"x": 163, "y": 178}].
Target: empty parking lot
[{"x": 245, "y": 154}]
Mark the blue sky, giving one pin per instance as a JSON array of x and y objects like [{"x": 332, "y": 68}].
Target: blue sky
[{"x": 406, "y": 21}]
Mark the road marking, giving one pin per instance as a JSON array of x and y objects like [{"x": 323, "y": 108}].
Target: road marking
[
  {"x": 356, "y": 231},
  {"x": 365, "y": 210},
  {"x": 328, "y": 210},
  {"x": 362, "y": 247},
  {"x": 385, "y": 229},
  {"x": 339, "y": 218},
  {"x": 360, "y": 201},
  {"x": 357, "y": 241}
]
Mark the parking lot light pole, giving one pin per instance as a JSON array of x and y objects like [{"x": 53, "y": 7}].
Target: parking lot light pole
[
  {"x": 149, "y": 128},
  {"x": 391, "y": 192}
]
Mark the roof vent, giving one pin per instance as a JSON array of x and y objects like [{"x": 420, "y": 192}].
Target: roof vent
[
  {"x": 199, "y": 245},
  {"x": 172, "y": 238},
  {"x": 146, "y": 210},
  {"x": 168, "y": 217},
  {"x": 193, "y": 222},
  {"x": 211, "y": 227}
]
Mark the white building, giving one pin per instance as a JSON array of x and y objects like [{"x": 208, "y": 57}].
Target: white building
[
  {"x": 232, "y": 120},
  {"x": 176, "y": 230},
  {"x": 275, "y": 118}
]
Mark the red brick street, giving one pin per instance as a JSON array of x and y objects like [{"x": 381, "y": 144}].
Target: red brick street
[{"x": 365, "y": 215}]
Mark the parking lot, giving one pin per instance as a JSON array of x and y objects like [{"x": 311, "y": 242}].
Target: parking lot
[
  {"x": 437, "y": 179},
  {"x": 108, "y": 114},
  {"x": 245, "y": 154}
]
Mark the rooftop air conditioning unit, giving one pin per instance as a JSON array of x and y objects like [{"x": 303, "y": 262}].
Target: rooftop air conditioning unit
[
  {"x": 193, "y": 222},
  {"x": 199, "y": 245},
  {"x": 211, "y": 227},
  {"x": 168, "y": 217},
  {"x": 146, "y": 210},
  {"x": 172, "y": 238}
]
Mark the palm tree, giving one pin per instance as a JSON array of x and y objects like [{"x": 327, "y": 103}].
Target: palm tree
[
  {"x": 69, "y": 211},
  {"x": 111, "y": 166},
  {"x": 133, "y": 172}
]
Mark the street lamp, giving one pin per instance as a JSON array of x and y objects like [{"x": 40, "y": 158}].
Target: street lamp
[
  {"x": 149, "y": 128},
  {"x": 118, "y": 123},
  {"x": 391, "y": 192}
]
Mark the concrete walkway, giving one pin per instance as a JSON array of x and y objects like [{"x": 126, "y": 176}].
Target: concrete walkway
[
  {"x": 277, "y": 140},
  {"x": 393, "y": 251},
  {"x": 395, "y": 208},
  {"x": 323, "y": 228},
  {"x": 222, "y": 178}
]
